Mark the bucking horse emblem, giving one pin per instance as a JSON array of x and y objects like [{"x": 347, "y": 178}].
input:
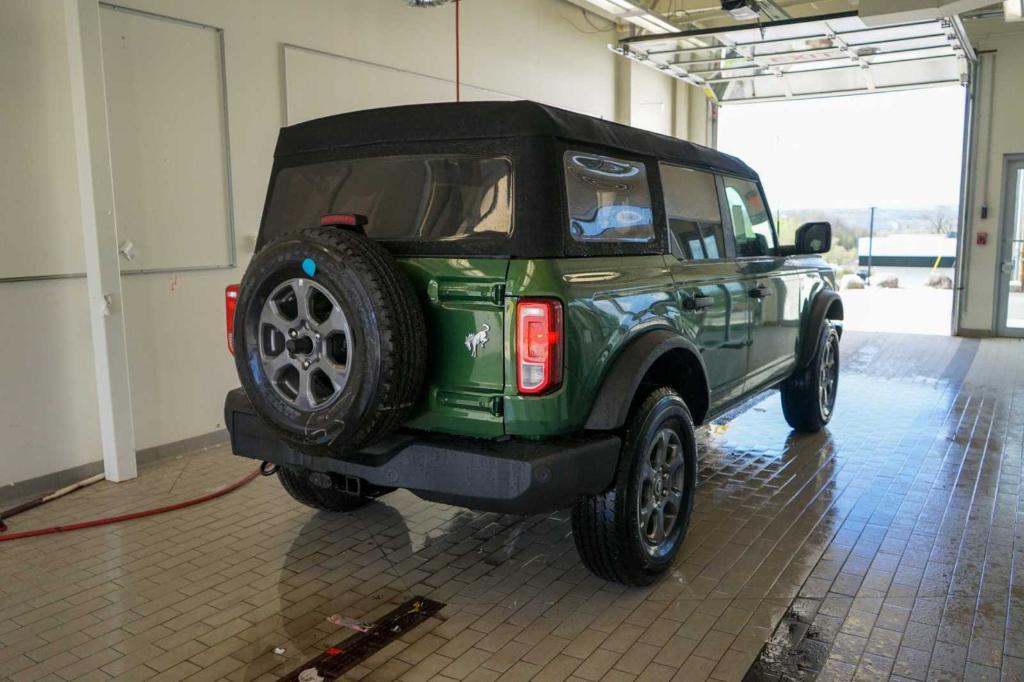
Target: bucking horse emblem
[{"x": 474, "y": 342}]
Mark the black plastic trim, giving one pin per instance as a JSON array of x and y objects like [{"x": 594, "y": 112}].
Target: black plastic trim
[
  {"x": 511, "y": 476},
  {"x": 809, "y": 336},
  {"x": 611, "y": 408}
]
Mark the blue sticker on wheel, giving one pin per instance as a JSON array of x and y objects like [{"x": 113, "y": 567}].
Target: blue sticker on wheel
[{"x": 309, "y": 267}]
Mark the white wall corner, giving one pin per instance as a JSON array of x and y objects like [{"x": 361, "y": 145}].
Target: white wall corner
[
  {"x": 623, "y": 90},
  {"x": 106, "y": 311},
  {"x": 681, "y": 94}
]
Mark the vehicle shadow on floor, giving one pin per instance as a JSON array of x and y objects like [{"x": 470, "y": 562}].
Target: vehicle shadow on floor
[{"x": 512, "y": 569}]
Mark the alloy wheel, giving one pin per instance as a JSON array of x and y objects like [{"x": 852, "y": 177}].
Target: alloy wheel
[
  {"x": 662, "y": 481},
  {"x": 827, "y": 379},
  {"x": 305, "y": 344}
]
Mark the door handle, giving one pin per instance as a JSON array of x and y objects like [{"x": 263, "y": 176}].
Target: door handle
[
  {"x": 698, "y": 302},
  {"x": 760, "y": 291}
]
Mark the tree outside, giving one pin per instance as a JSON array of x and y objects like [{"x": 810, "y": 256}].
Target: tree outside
[{"x": 850, "y": 224}]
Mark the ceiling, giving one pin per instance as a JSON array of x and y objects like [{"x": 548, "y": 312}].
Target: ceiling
[
  {"x": 794, "y": 48},
  {"x": 795, "y": 58}
]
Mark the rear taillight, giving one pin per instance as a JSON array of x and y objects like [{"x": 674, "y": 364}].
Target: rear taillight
[
  {"x": 538, "y": 345},
  {"x": 230, "y": 303},
  {"x": 343, "y": 220}
]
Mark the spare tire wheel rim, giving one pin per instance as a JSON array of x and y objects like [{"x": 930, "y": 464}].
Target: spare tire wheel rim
[{"x": 305, "y": 344}]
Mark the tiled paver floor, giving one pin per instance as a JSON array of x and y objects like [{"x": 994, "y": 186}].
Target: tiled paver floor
[{"x": 896, "y": 537}]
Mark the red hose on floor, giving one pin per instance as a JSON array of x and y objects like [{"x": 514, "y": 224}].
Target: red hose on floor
[{"x": 133, "y": 515}]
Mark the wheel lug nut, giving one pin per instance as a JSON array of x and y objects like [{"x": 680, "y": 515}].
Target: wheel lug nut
[
  {"x": 305, "y": 365},
  {"x": 292, "y": 333}
]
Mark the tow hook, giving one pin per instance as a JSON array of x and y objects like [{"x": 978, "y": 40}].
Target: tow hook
[{"x": 351, "y": 485}]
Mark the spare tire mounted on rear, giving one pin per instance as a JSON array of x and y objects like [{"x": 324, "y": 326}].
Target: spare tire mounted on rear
[{"x": 329, "y": 338}]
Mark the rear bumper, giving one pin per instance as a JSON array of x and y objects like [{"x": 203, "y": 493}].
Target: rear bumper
[{"x": 512, "y": 476}]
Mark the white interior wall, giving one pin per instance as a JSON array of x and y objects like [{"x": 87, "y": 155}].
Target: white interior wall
[
  {"x": 320, "y": 84},
  {"x": 180, "y": 370},
  {"x": 1000, "y": 126},
  {"x": 48, "y": 417},
  {"x": 38, "y": 182},
  {"x": 652, "y": 105},
  {"x": 168, "y": 140}
]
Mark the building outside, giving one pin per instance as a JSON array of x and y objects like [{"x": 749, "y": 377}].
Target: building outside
[{"x": 913, "y": 258}]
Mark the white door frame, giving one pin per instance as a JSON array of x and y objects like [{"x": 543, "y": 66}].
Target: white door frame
[{"x": 1008, "y": 204}]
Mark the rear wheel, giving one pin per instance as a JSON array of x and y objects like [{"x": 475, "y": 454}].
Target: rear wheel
[
  {"x": 631, "y": 532},
  {"x": 297, "y": 483},
  {"x": 809, "y": 396}
]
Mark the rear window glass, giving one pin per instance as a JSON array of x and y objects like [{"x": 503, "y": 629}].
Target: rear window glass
[
  {"x": 609, "y": 199},
  {"x": 420, "y": 198}
]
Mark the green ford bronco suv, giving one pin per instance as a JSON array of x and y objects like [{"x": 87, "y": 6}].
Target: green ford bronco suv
[{"x": 519, "y": 309}]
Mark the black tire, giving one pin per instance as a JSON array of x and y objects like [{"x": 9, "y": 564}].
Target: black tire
[
  {"x": 610, "y": 534},
  {"x": 296, "y": 483},
  {"x": 383, "y": 349},
  {"x": 805, "y": 405}
]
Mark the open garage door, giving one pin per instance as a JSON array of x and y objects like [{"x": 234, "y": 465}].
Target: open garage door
[{"x": 836, "y": 54}]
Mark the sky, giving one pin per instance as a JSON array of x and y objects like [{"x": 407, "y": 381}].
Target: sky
[{"x": 891, "y": 150}]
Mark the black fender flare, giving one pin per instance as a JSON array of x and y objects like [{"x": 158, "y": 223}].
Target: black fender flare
[
  {"x": 820, "y": 307},
  {"x": 610, "y": 409}
]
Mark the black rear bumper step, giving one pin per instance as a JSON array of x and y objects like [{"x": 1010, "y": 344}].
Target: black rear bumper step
[{"x": 511, "y": 476}]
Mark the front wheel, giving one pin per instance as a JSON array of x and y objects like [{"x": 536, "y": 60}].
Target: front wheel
[
  {"x": 631, "y": 532},
  {"x": 809, "y": 396}
]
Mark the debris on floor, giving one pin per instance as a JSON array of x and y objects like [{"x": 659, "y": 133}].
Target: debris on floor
[
  {"x": 310, "y": 675},
  {"x": 279, "y": 650},
  {"x": 348, "y": 622}
]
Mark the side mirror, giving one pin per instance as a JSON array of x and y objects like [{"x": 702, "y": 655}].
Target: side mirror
[{"x": 814, "y": 238}]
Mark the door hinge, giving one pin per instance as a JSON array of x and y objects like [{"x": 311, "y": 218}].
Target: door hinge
[{"x": 498, "y": 293}]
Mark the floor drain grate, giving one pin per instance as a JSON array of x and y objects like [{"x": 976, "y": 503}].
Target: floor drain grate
[{"x": 339, "y": 659}]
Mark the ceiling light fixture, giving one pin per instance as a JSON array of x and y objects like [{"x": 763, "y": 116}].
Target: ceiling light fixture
[
  {"x": 652, "y": 23},
  {"x": 636, "y": 14},
  {"x": 742, "y": 10},
  {"x": 613, "y": 6}
]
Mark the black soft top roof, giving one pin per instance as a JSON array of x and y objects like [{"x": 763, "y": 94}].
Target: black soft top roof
[{"x": 489, "y": 120}]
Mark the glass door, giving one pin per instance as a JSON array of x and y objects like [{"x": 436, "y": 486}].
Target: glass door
[{"x": 1011, "y": 257}]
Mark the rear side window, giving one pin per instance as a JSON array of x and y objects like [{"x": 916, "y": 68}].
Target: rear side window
[
  {"x": 750, "y": 220},
  {"x": 609, "y": 199},
  {"x": 408, "y": 198},
  {"x": 694, "y": 215}
]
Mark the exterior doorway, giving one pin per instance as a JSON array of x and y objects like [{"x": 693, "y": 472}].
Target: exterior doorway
[
  {"x": 884, "y": 169},
  {"x": 1010, "y": 272}
]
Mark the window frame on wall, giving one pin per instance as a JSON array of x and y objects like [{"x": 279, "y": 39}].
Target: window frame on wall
[
  {"x": 773, "y": 250},
  {"x": 674, "y": 247}
]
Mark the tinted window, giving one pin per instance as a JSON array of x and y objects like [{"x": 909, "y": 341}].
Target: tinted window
[
  {"x": 693, "y": 212},
  {"x": 423, "y": 198},
  {"x": 608, "y": 199},
  {"x": 750, "y": 220}
]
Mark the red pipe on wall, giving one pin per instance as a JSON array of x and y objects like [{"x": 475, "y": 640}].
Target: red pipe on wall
[{"x": 458, "y": 76}]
